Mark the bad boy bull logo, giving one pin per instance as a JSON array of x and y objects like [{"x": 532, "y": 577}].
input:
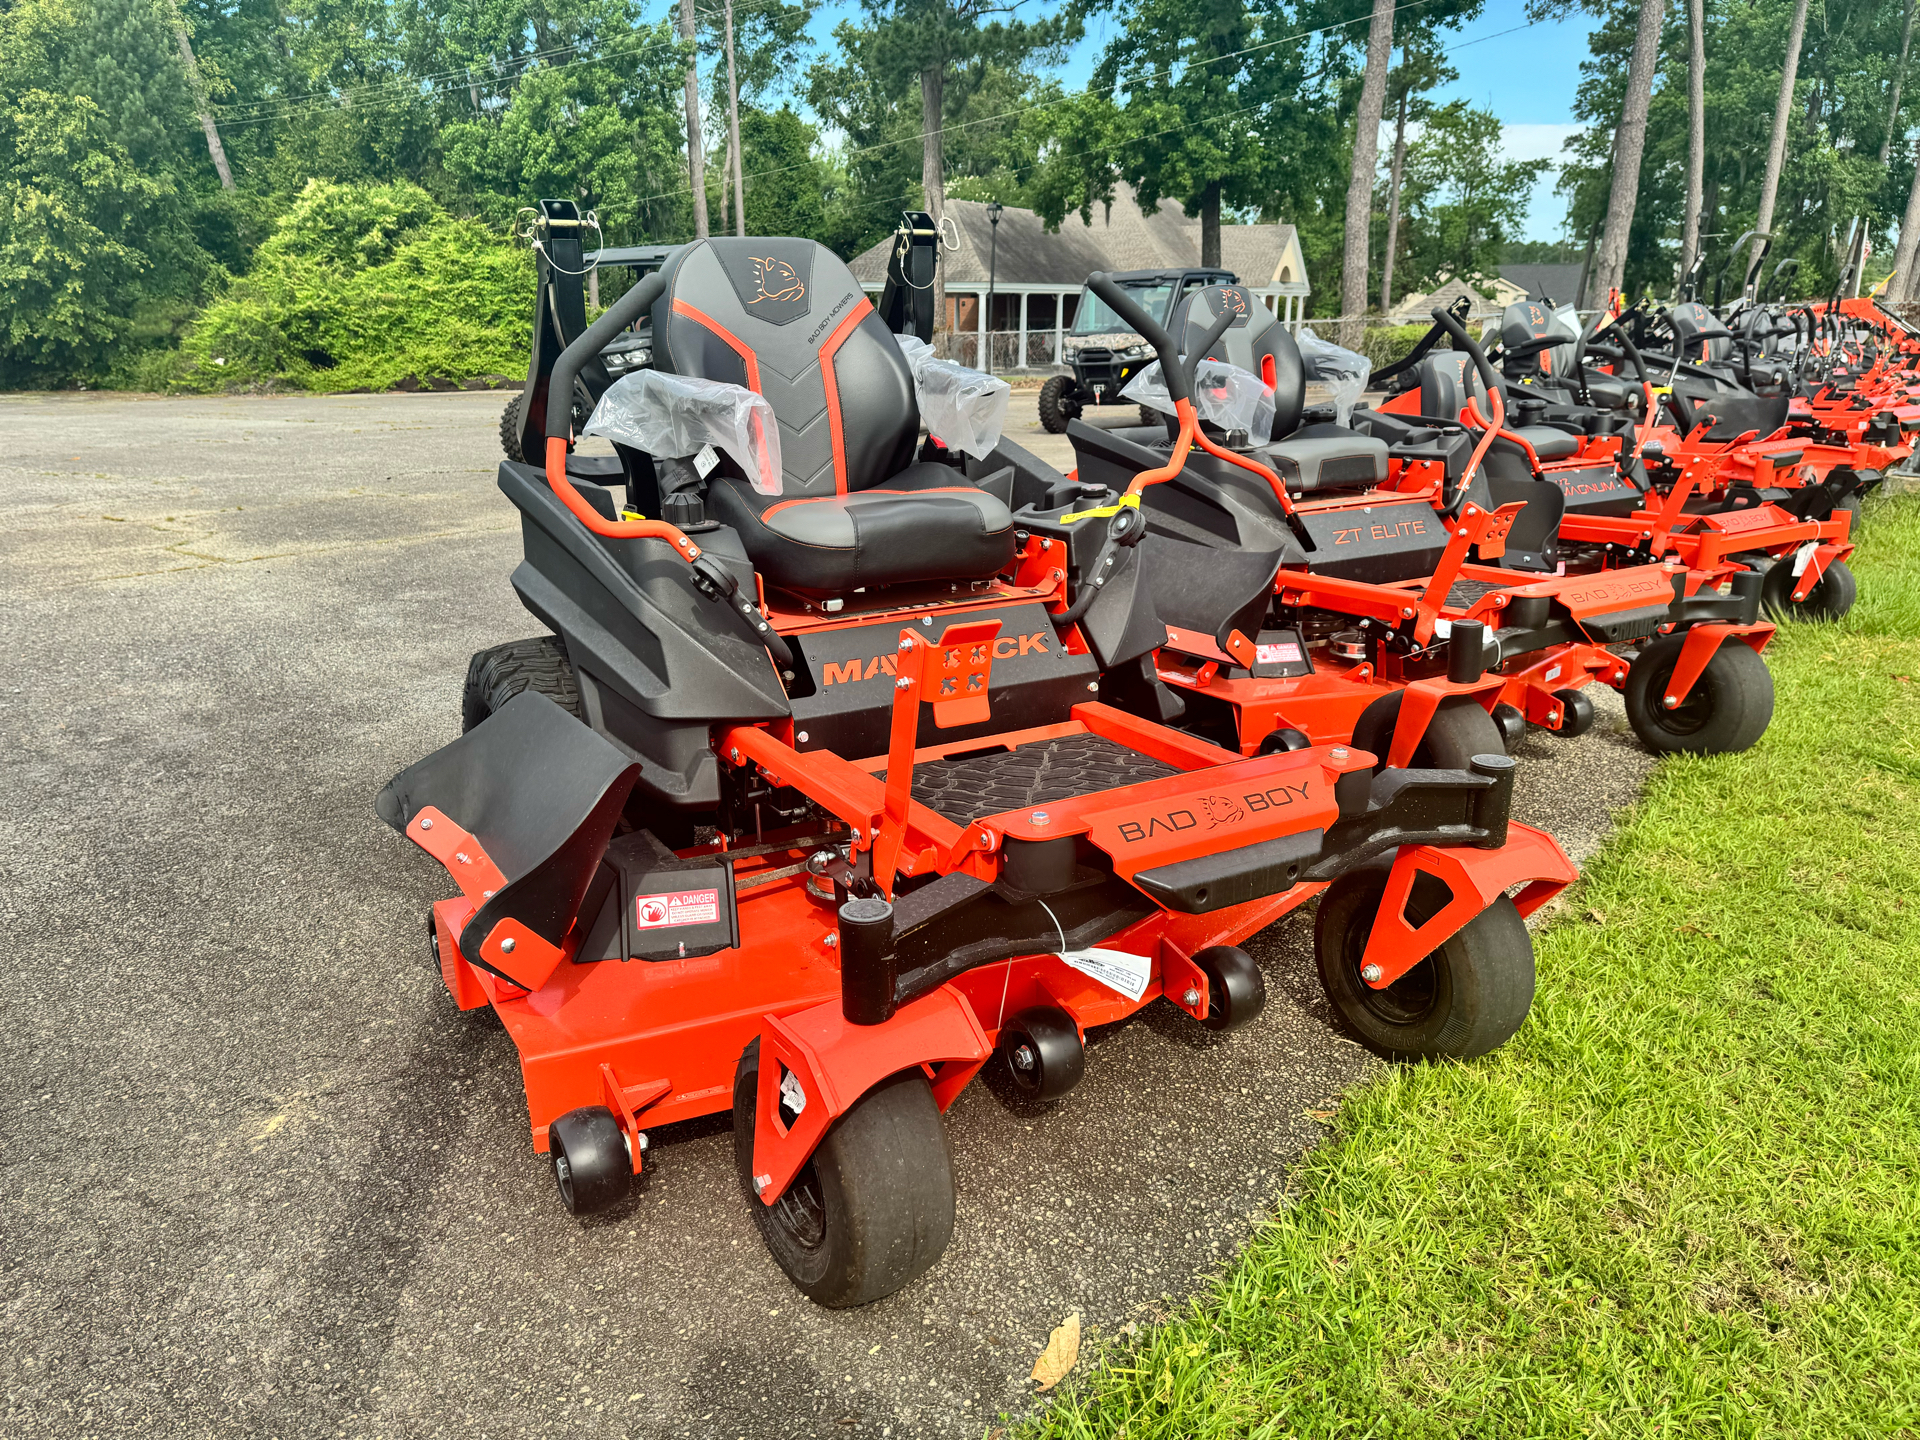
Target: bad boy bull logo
[
  {"x": 1206, "y": 812},
  {"x": 774, "y": 288},
  {"x": 774, "y": 279}
]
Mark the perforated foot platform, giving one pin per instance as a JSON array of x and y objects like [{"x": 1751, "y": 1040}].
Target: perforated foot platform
[{"x": 967, "y": 787}]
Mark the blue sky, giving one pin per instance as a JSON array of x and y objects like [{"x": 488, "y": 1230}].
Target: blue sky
[{"x": 1526, "y": 74}]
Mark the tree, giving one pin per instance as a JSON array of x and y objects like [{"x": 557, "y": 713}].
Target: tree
[
  {"x": 1360, "y": 185},
  {"x": 1421, "y": 69},
  {"x": 1778, "y": 137},
  {"x": 1463, "y": 203},
  {"x": 1610, "y": 260},
  {"x": 1697, "y": 137},
  {"x": 696, "y": 159}
]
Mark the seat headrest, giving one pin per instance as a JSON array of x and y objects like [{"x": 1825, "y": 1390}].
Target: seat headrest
[
  {"x": 786, "y": 317},
  {"x": 1256, "y": 342},
  {"x": 1690, "y": 318}
]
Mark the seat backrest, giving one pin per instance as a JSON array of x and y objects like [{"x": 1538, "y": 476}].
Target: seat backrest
[
  {"x": 1527, "y": 320},
  {"x": 786, "y": 317},
  {"x": 1448, "y": 381},
  {"x": 1690, "y": 318},
  {"x": 1256, "y": 342}
]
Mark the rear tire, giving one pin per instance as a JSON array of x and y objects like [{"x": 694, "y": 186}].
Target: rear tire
[
  {"x": 873, "y": 1207},
  {"x": 510, "y": 430},
  {"x": 1832, "y": 596},
  {"x": 496, "y": 675},
  {"x": 1459, "y": 731},
  {"x": 1058, "y": 404},
  {"x": 1462, "y": 1000},
  {"x": 1727, "y": 711}
]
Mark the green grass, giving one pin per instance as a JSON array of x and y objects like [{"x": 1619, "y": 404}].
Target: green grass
[{"x": 1683, "y": 1200}]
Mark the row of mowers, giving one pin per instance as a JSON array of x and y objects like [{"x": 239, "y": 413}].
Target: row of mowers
[{"x": 857, "y": 757}]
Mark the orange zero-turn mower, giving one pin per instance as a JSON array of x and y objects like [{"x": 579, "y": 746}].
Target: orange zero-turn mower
[
  {"x": 692, "y": 878},
  {"x": 1636, "y": 493},
  {"x": 1391, "y": 617}
]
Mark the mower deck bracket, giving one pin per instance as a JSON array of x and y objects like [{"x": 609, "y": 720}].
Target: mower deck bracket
[
  {"x": 1698, "y": 649},
  {"x": 1420, "y": 699},
  {"x": 471, "y": 867},
  {"x": 1475, "y": 878},
  {"x": 1181, "y": 978},
  {"x": 626, "y": 1102},
  {"x": 836, "y": 1062}
]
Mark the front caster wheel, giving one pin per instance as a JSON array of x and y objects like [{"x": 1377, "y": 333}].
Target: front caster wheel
[
  {"x": 1236, "y": 989},
  {"x": 1831, "y": 597},
  {"x": 1461, "y": 1000},
  {"x": 1726, "y": 711},
  {"x": 592, "y": 1166},
  {"x": 874, "y": 1205},
  {"x": 1512, "y": 725},
  {"x": 1044, "y": 1054},
  {"x": 1577, "y": 713}
]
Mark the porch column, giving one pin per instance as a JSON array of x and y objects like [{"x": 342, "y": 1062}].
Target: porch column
[{"x": 1022, "y": 362}]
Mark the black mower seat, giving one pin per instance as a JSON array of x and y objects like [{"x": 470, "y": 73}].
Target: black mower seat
[
  {"x": 1318, "y": 457},
  {"x": 1256, "y": 342},
  {"x": 786, "y": 318},
  {"x": 1449, "y": 380}
]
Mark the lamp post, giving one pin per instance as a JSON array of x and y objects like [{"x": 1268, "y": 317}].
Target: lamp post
[{"x": 993, "y": 256}]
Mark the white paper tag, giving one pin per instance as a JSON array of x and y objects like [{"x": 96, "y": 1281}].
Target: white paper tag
[
  {"x": 1117, "y": 970},
  {"x": 1802, "y": 557},
  {"x": 705, "y": 461}
]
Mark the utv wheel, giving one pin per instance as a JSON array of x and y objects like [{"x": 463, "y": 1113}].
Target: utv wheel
[
  {"x": 496, "y": 676},
  {"x": 1461, "y": 1000},
  {"x": 873, "y": 1207},
  {"x": 1577, "y": 713},
  {"x": 1726, "y": 711},
  {"x": 1057, "y": 403},
  {"x": 1236, "y": 989},
  {"x": 510, "y": 430},
  {"x": 1459, "y": 731},
  {"x": 1832, "y": 596},
  {"x": 592, "y": 1166},
  {"x": 1043, "y": 1053},
  {"x": 1151, "y": 416}
]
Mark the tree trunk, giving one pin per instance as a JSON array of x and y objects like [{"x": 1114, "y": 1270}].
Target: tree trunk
[
  {"x": 1901, "y": 286},
  {"x": 1697, "y": 139},
  {"x": 933, "y": 180},
  {"x": 1360, "y": 182},
  {"x": 733, "y": 126},
  {"x": 1611, "y": 258},
  {"x": 1778, "y": 140},
  {"x": 215, "y": 150},
  {"x": 1393, "y": 206},
  {"x": 1894, "y": 93},
  {"x": 696, "y": 161},
  {"x": 1211, "y": 223}
]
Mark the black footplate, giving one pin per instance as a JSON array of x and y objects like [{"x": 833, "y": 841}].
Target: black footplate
[{"x": 966, "y": 788}]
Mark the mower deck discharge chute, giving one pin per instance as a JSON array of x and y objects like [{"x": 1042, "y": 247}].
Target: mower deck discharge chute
[{"x": 832, "y": 807}]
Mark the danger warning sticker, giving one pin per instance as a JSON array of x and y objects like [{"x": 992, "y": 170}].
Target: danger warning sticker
[
  {"x": 676, "y": 908},
  {"x": 1283, "y": 654}
]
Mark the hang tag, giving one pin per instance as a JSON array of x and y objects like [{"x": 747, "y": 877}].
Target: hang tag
[
  {"x": 1802, "y": 557},
  {"x": 1117, "y": 970},
  {"x": 705, "y": 461}
]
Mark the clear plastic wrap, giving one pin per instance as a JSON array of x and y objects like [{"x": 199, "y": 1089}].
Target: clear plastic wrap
[
  {"x": 1224, "y": 395},
  {"x": 966, "y": 409},
  {"x": 1342, "y": 371},
  {"x": 675, "y": 416}
]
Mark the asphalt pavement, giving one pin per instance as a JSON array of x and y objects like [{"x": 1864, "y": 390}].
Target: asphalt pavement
[{"x": 262, "y": 1177}]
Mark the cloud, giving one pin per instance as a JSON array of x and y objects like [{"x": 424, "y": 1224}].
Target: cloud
[{"x": 1536, "y": 142}]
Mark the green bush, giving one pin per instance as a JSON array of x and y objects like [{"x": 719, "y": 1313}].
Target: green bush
[
  {"x": 359, "y": 288},
  {"x": 1385, "y": 344}
]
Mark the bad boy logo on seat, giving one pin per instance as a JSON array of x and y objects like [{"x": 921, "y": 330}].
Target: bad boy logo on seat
[
  {"x": 775, "y": 280},
  {"x": 771, "y": 278}
]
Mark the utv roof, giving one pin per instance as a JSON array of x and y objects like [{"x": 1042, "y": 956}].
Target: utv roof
[
  {"x": 646, "y": 257},
  {"x": 1176, "y": 272}
]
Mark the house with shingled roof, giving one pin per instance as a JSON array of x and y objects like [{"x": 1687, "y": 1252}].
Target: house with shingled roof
[{"x": 1036, "y": 276}]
